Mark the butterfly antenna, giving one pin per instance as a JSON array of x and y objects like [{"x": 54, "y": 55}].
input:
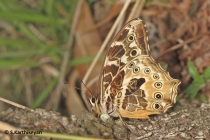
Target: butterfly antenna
[
  {"x": 77, "y": 87},
  {"x": 89, "y": 92},
  {"x": 85, "y": 99}
]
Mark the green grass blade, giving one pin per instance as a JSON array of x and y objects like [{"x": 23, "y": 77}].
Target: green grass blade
[
  {"x": 15, "y": 64},
  {"x": 192, "y": 69},
  {"x": 15, "y": 55},
  {"x": 25, "y": 17},
  {"x": 206, "y": 73},
  {"x": 194, "y": 87},
  {"x": 84, "y": 60}
]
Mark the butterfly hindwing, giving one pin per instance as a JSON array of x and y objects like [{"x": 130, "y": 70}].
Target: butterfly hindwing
[{"x": 148, "y": 89}]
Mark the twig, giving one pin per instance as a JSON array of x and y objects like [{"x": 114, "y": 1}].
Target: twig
[
  {"x": 26, "y": 81},
  {"x": 182, "y": 44},
  {"x": 113, "y": 13},
  {"x": 15, "y": 104},
  {"x": 134, "y": 9},
  {"x": 55, "y": 98},
  {"x": 38, "y": 34}
]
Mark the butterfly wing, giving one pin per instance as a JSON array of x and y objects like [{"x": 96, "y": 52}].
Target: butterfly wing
[
  {"x": 146, "y": 89},
  {"x": 130, "y": 40},
  {"x": 124, "y": 88}
]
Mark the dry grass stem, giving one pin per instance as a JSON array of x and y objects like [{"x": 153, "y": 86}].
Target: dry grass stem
[{"x": 55, "y": 97}]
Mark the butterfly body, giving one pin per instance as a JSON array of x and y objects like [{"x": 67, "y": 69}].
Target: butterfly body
[{"x": 132, "y": 84}]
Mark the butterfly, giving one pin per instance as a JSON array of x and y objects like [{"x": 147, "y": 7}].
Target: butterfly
[{"x": 132, "y": 84}]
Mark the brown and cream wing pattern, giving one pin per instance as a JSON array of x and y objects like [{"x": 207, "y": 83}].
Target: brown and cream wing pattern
[
  {"x": 129, "y": 43},
  {"x": 132, "y": 84},
  {"x": 147, "y": 89}
]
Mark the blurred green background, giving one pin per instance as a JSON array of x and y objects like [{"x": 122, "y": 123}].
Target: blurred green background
[{"x": 32, "y": 41}]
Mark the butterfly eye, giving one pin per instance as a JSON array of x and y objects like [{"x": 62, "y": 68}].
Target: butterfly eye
[
  {"x": 147, "y": 71},
  {"x": 158, "y": 96},
  {"x": 93, "y": 99},
  {"x": 133, "y": 53},
  {"x": 136, "y": 70},
  {"x": 131, "y": 65},
  {"x": 130, "y": 38},
  {"x": 156, "y": 106},
  {"x": 156, "y": 76},
  {"x": 158, "y": 84}
]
